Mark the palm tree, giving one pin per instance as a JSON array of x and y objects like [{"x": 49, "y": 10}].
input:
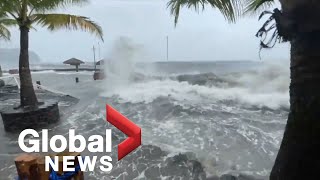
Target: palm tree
[
  {"x": 26, "y": 13},
  {"x": 298, "y": 23}
]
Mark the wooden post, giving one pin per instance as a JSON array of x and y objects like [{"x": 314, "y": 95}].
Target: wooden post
[
  {"x": 42, "y": 174},
  {"x": 26, "y": 166}
]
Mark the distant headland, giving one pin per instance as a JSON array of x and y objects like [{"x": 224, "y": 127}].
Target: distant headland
[{"x": 9, "y": 58}]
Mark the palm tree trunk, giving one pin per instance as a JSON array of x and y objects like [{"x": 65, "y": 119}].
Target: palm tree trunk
[
  {"x": 299, "y": 154},
  {"x": 27, "y": 94}
]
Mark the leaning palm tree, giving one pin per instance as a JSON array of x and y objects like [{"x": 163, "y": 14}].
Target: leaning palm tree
[
  {"x": 298, "y": 23},
  {"x": 27, "y": 13}
]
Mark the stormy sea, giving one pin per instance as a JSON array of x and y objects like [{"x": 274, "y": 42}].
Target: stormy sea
[{"x": 199, "y": 120}]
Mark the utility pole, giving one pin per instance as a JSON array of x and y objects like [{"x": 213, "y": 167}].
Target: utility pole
[
  {"x": 94, "y": 58},
  {"x": 167, "y": 48}
]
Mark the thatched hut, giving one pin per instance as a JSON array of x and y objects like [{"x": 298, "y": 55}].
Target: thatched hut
[{"x": 74, "y": 62}]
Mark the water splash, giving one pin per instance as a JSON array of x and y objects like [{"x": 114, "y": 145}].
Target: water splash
[{"x": 119, "y": 67}]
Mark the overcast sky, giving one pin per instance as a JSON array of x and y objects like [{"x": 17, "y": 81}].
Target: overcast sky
[{"x": 204, "y": 36}]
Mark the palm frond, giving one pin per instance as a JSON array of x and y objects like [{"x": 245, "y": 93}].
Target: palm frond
[
  {"x": 11, "y": 7},
  {"x": 5, "y": 22},
  {"x": 255, "y": 7},
  {"x": 270, "y": 25},
  {"x": 48, "y": 5},
  {"x": 57, "y": 21},
  {"x": 8, "y": 22},
  {"x": 231, "y": 9},
  {"x": 4, "y": 33}
]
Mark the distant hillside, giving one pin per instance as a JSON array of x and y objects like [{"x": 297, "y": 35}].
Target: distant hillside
[{"x": 9, "y": 58}]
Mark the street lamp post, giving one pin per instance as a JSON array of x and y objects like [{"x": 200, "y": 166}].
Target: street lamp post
[{"x": 167, "y": 48}]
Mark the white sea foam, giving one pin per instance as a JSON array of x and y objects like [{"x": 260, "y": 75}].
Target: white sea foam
[
  {"x": 264, "y": 87},
  {"x": 119, "y": 67},
  {"x": 195, "y": 94}
]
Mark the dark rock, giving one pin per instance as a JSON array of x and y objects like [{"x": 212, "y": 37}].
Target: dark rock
[
  {"x": 180, "y": 158},
  {"x": 228, "y": 177},
  {"x": 237, "y": 177},
  {"x": 131, "y": 172},
  {"x": 149, "y": 159},
  {"x": 181, "y": 166},
  {"x": 196, "y": 169},
  {"x": 141, "y": 167},
  {"x": 246, "y": 177},
  {"x": 213, "y": 178},
  {"x": 200, "y": 79},
  {"x": 152, "y": 172}
]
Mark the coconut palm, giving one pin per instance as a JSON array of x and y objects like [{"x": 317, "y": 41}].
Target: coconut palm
[
  {"x": 38, "y": 12},
  {"x": 298, "y": 23}
]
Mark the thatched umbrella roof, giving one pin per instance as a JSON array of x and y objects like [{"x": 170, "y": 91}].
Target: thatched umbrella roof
[
  {"x": 73, "y": 61},
  {"x": 101, "y": 62}
]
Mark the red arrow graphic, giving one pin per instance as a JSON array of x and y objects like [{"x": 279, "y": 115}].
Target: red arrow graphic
[{"x": 126, "y": 126}]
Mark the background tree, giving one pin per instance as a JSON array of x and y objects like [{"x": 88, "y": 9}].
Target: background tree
[
  {"x": 298, "y": 23},
  {"x": 35, "y": 12}
]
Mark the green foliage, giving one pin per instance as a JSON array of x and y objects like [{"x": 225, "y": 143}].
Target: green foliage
[
  {"x": 28, "y": 12},
  {"x": 257, "y": 6},
  {"x": 231, "y": 9},
  {"x": 58, "y": 21},
  {"x": 4, "y": 33},
  {"x": 4, "y": 24},
  {"x": 49, "y": 5}
]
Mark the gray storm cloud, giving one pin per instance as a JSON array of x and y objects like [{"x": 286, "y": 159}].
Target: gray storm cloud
[{"x": 198, "y": 37}]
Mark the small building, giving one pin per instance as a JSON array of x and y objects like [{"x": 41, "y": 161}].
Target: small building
[{"x": 99, "y": 72}]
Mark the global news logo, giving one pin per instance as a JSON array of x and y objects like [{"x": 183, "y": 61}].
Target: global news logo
[{"x": 94, "y": 144}]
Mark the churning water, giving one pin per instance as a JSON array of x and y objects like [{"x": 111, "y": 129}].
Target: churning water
[{"x": 198, "y": 119}]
